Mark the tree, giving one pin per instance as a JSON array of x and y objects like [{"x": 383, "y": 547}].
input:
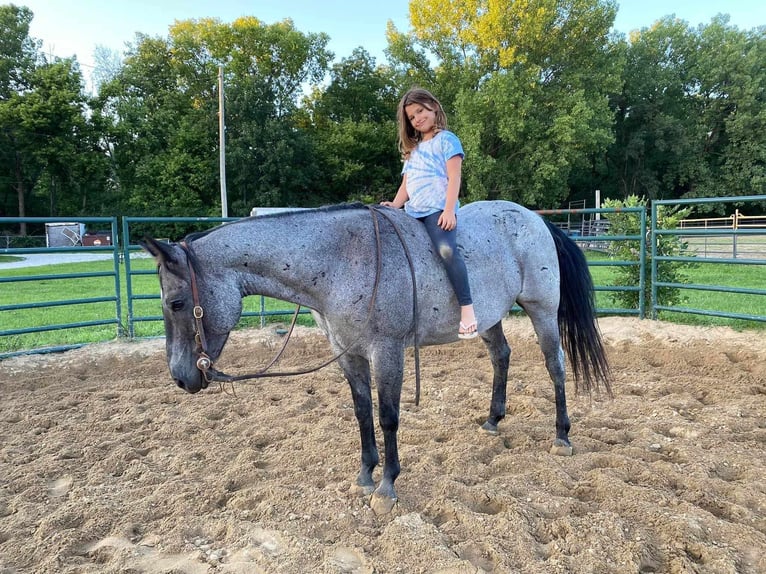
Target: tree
[
  {"x": 50, "y": 152},
  {"x": 352, "y": 125},
  {"x": 18, "y": 55},
  {"x": 527, "y": 84},
  {"x": 108, "y": 65},
  {"x": 731, "y": 87},
  {"x": 164, "y": 110},
  {"x": 658, "y": 142},
  {"x": 690, "y": 119}
]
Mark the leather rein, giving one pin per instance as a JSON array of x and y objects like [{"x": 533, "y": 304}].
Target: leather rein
[{"x": 205, "y": 363}]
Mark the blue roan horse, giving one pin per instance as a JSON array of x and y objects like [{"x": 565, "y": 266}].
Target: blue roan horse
[{"x": 359, "y": 285}]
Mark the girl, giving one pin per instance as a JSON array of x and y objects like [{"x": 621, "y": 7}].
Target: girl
[{"x": 433, "y": 159}]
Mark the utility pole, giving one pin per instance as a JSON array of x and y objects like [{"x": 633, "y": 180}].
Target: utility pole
[
  {"x": 222, "y": 144},
  {"x": 598, "y": 203}
]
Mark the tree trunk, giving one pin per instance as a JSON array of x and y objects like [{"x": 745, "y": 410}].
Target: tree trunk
[{"x": 21, "y": 195}]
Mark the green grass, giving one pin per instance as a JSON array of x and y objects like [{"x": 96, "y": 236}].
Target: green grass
[
  {"x": 45, "y": 290},
  {"x": 719, "y": 274},
  {"x": 50, "y": 290}
]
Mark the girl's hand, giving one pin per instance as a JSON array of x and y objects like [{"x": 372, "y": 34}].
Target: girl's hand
[
  {"x": 389, "y": 204},
  {"x": 448, "y": 220}
]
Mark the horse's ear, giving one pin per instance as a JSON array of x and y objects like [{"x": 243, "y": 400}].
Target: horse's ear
[{"x": 160, "y": 250}]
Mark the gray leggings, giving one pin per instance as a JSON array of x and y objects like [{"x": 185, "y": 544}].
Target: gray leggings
[{"x": 446, "y": 246}]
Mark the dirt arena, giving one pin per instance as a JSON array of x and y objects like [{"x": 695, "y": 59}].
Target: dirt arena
[{"x": 107, "y": 467}]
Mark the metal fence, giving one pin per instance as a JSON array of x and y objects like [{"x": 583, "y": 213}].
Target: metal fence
[
  {"x": 134, "y": 301},
  {"x": 21, "y": 317},
  {"x": 595, "y": 237},
  {"x": 736, "y": 234}
]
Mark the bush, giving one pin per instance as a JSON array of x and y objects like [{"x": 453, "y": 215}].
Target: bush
[{"x": 668, "y": 217}]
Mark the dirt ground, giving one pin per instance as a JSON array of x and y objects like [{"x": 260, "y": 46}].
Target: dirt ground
[{"x": 105, "y": 466}]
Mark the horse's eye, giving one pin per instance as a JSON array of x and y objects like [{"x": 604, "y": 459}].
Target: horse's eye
[{"x": 176, "y": 305}]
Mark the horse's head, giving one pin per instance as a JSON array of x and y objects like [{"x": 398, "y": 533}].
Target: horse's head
[{"x": 199, "y": 309}]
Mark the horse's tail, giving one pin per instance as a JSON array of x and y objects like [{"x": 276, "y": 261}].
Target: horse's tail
[{"x": 577, "y": 316}]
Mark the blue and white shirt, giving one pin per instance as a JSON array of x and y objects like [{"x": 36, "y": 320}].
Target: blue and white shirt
[{"x": 426, "y": 171}]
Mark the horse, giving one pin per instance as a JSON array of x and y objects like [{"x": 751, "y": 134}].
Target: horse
[{"x": 376, "y": 285}]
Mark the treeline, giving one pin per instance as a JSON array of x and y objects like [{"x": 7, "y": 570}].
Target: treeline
[{"x": 549, "y": 103}]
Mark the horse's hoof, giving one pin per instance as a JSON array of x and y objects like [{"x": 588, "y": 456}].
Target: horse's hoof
[
  {"x": 489, "y": 428},
  {"x": 362, "y": 489},
  {"x": 560, "y": 448},
  {"x": 381, "y": 504}
]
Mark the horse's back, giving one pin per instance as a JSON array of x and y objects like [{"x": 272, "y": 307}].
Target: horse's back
[
  {"x": 508, "y": 251},
  {"x": 510, "y": 256}
]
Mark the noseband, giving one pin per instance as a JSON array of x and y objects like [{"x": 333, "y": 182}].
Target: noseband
[{"x": 205, "y": 363}]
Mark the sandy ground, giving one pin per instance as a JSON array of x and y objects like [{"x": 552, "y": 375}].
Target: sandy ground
[{"x": 106, "y": 467}]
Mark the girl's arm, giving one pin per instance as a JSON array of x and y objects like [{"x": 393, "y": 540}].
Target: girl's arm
[
  {"x": 448, "y": 219},
  {"x": 401, "y": 196}
]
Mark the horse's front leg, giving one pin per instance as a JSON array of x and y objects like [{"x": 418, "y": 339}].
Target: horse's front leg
[
  {"x": 357, "y": 371},
  {"x": 388, "y": 369},
  {"x": 500, "y": 355}
]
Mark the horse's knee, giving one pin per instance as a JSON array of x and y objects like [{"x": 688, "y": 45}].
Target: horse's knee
[
  {"x": 503, "y": 356},
  {"x": 389, "y": 418}
]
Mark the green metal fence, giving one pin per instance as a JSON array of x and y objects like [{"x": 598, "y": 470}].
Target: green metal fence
[
  {"x": 137, "y": 305},
  {"x": 735, "y": 234},
  {"x": 13, "y": 313},
  {"x": 600, "y": 238}
]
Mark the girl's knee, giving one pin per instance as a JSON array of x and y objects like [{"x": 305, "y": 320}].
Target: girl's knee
[{"x": 446, "y": 251}]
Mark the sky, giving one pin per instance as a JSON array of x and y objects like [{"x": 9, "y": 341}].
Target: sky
[{"x": 75, "y": 27}]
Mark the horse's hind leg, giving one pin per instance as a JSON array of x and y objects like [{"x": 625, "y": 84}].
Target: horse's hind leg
[
  {"x": 357, "y": 371},
  {"x": 545, "y": 322},
  {"x": 500, "y": 355}
]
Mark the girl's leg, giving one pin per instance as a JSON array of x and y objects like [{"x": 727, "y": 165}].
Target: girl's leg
[{"x": 446, "y": 245}]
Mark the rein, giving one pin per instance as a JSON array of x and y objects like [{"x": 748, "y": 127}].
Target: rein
[{"x": 205, "y": 363}]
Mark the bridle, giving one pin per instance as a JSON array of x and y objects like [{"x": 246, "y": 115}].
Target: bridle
[{"x": 205, "y": 363}]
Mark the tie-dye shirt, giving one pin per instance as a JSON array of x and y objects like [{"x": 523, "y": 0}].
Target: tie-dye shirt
[{"x": 426, "y": 171}]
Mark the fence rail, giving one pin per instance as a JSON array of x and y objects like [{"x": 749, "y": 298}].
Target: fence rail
[
  {"x": 736, "y": 220},
  {"x": 727, "y": 237}
]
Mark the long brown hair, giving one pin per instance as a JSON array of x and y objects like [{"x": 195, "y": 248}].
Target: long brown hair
[{"x": 409, "y": 137}]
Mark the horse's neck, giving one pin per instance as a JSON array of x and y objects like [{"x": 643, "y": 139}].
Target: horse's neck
[{"x": 278, "y": 258}]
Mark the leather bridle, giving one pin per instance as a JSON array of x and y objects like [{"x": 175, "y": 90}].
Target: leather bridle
[{"x": 205, "y": 363}]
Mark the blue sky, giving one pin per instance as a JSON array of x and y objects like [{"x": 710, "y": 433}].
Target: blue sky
[{"x": 75, "y": 27}]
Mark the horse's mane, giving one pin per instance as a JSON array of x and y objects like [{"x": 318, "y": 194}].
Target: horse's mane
[{"x": 191, "y": 237}]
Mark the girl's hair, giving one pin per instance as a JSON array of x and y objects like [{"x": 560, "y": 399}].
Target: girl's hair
[{"x": 409, "y": 137}]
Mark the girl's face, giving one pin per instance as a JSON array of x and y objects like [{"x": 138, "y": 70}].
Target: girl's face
[{"x": 421, "y": 118}]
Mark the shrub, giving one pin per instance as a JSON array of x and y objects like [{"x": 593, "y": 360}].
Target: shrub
[{"x": 668, "y": 217}]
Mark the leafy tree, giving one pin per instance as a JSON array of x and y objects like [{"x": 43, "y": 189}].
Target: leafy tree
[
  {"x": 352, "y": 125},
  {"x": 164, "y": 110},
  {"x": 154, "y": 136},
  {"x": 527, "y": 83},
  {"x": 690, "y": 117},
  {"x": 658, "y": 142},
  {"x": 50, "y": 154},
  {"x": 18, "y": 56},
  {"x": 731, "y": 80}
]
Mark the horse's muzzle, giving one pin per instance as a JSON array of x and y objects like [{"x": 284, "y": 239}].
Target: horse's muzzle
[{"x": 194, "y": 387}]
